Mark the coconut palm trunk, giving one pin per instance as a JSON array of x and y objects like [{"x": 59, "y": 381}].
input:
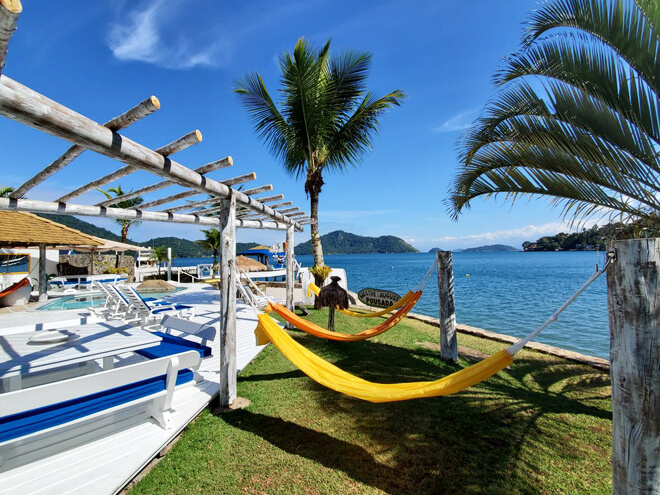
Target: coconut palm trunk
[{"x": 313, "y": 186}]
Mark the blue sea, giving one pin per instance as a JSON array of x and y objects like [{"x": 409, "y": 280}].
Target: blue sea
[{"x": 507, "y": 292}]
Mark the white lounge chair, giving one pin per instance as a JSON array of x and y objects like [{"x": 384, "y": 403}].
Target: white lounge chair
[
  {"x": 36, "y": 421},
  {"x": 146, "y": 311}
]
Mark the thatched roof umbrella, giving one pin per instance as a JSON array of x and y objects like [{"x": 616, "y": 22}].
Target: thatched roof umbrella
[
  {"x": 333, "y": 296},
  {"x": 249, "y": 265}
]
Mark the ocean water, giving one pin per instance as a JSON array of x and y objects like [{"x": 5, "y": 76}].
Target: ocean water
[{"x": 508, "y": 292}]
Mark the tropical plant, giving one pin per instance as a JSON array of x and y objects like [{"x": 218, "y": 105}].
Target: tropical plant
[
  {"x": 159, "y": 255},
  {"x": 320, "y": 273},
  {"x": 126, "y": 203},
  {"x": 5, "y": 191},
  {"x": 211, "y": 242},
  {"x": 325, "y": 120},
  {"x": 576, "y": 118}
]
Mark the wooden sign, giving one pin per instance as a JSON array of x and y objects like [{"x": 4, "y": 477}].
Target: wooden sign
[{"x": 378, "y": 298}]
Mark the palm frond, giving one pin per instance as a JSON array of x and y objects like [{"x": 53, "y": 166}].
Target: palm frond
[{"x": 586, "y": 132}]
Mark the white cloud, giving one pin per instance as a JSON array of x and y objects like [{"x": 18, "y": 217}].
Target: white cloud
[
  {"x": 150, "y": 33},
  {"x": 458, "y": 122}
]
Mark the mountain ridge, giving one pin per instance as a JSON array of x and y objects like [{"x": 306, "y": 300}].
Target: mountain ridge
[{"x": 340, "y": 242}]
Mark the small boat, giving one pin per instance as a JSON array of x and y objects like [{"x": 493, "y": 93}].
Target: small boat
[{"x": 17, "y": 293}]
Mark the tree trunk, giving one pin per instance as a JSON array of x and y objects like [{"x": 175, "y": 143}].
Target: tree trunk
[
  {"x": 124, "y": 232},
  {"x": 313, "y": 186},
  {"x": 633, "y": 300}
]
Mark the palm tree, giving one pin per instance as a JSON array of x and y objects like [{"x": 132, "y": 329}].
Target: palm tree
[
  {"x": 5, "y": 191},
  {"x": 576, "y": 118},
  {"x": 127, "y": 203},
  {"x": 325, "y": 120},
  {"x": 159, "y": 255},
  {"x": 211, "y": 243}
]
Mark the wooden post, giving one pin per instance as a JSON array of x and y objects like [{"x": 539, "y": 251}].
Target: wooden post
[
  {"x": 9, "y": 12},
  {"x": 633, "y": 302},
  {"x": 169, "y": 264},
  {"x": 228, "y": 301},
  {"x": 290, "y": 265},
  {"x": 448, "y": 344},
  {"x": 43, "y": 276}
]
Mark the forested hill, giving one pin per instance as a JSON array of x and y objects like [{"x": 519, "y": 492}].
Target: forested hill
[
  {"x": 340, "y": 242},
  {"x": 181, "y": 248}
]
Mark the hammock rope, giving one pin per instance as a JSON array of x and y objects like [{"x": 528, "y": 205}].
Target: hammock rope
[{"x": 329, "y": 375}]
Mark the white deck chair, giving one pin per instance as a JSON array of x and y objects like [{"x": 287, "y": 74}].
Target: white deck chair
[{"x": 146, "y": 312}]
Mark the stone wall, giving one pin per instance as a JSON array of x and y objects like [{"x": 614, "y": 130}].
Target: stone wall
[{"x": 74, "y": 264}]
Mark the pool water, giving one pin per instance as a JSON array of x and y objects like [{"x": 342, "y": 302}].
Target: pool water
[{"x": 93, "y": 300}]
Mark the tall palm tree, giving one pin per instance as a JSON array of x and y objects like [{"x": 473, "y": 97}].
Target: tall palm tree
[
  {"x": 576, "y": 118},
  {"x": 127, "y": 203},
  {"x": 211, "y": 242},
  {"x": 325, "y": 120}
]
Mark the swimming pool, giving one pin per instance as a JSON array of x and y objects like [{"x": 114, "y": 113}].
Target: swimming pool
[{"x": 93, "y": 300}]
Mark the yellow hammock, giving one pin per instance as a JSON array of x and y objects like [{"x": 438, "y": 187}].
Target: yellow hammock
[
  {"x": 318, "y": 331},
  {"x": 315, "y": 289},
  {"x": 334, "y": 378}
]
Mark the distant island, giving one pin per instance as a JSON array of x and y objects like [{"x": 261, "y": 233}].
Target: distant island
[
  {"x": 491, "y": 248},
  {"x": 181, "y": 248},
  {"x": 436, "y": 250},
  {"x": 340, "y": 242}
]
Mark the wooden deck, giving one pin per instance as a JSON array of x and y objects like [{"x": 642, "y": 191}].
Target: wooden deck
[{"x": 107, "y": 463}]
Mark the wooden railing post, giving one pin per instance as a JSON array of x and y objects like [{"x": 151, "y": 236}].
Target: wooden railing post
[
  {"x": 290, "y": 280},
  {"x": 447, "y": 307},
  {"x": 228, "y": 301},
  {"x": 633, "y": 302},
  {"x": 43, "y": 275}
]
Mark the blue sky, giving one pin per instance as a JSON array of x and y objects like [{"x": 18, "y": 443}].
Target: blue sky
[{"x": 101, "y": 58}]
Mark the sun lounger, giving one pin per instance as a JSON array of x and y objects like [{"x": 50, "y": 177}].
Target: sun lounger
[
  {"x": 173, "y": 344},
  {"x": 145, "y": 311},
  {"x": 35, "y": 420}
]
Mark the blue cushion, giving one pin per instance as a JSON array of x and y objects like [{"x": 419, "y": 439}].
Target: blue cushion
[
  {"x": 18, "y": 425},
  {"x": 171, "y": 345},
  {"x": 176, "y": 307}
]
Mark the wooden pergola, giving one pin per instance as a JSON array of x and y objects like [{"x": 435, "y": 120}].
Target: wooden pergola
[{"x": 226, "y": 208}]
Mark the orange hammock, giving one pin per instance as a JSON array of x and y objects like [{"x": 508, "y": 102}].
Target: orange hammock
[
  {"x": 407, "y": 296},
  {"x": 314, "y": 329}
]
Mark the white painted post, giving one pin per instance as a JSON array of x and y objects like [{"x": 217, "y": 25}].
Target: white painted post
[
  {"x": 43, "y": 276},
  {"x": 633, "y": 301},
  {"x": 228, "y": 301},
  {"x": 169, "y": 264},
  {"x": 290, "y": 265},
  {"x": 448, "y": 344}
]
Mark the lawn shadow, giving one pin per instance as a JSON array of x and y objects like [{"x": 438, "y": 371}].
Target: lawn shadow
[{"x": 466, "y": 443}]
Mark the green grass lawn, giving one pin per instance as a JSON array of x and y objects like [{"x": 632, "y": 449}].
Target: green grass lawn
[{"x": 541, "y": 426}]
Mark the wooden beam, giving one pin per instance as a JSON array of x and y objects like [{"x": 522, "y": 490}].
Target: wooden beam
[
  {"x": 9, "y": 12},
  {"x": 227, "y": 220},
  {"x": 211, "y": 201},
  {"x": 281, "y": 205},
  {"x": 448, "y": 344},
  {"x": 289, "y": 210},
  {"x": 270, "y": 199},
  {"x": 204, "y": 169},
  {"x": 257, "y": 190},
  {"x": 24, "y": 105},
  {"x": 43, "y": 275},
  {"x": 182, "y": 143},
  {"x": 35, "y": 206},
  {"x": 143, "y": 109},
  {"x": 633, "y": 299},
  {"x": 299, "y": 214},
  {"x": 186, "y": 194},
  {"x": 290, "y": 279}
]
